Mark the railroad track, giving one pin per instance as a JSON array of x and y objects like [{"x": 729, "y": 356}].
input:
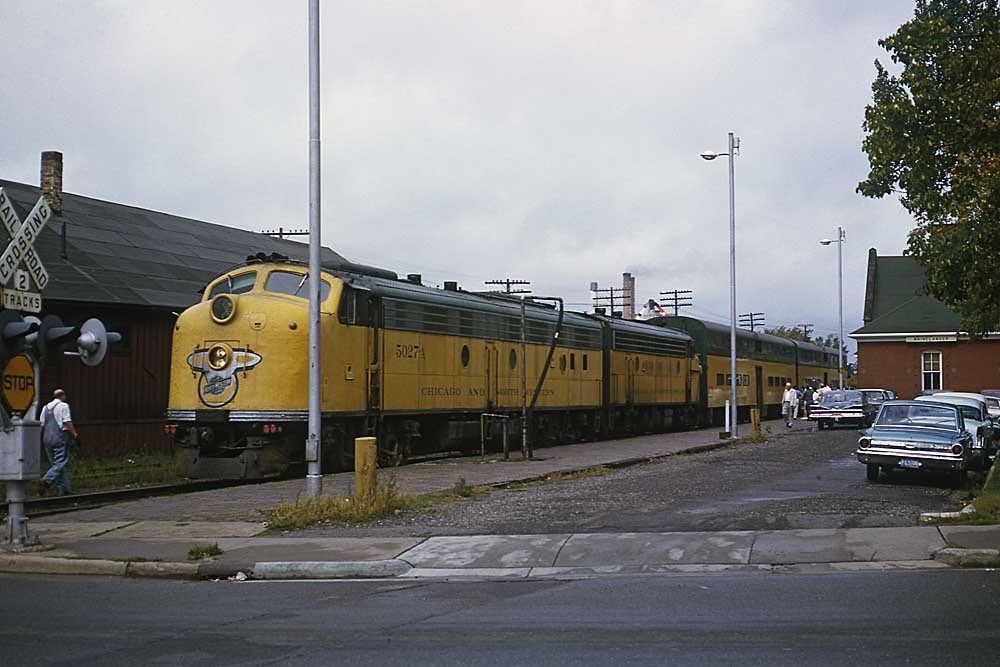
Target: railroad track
[{"x": 79, "y": 501}]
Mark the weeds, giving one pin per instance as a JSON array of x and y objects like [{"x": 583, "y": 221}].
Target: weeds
[
  {"x": 557, "y": 477},
  {"x": 386, "y": 502},
  {"x": 105, "y": 473},
  {"x": 207, "y": 551},
  {"x": 987, "y": 504}
]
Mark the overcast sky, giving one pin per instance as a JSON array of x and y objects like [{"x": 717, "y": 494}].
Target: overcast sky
[{"x": 550, "y": 141}]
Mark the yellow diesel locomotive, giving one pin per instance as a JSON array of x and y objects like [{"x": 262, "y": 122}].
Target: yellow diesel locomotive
[{"x": 413, "y": 365}]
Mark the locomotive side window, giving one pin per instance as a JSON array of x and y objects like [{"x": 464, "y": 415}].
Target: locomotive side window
[
  {"x": 294, "y": 284},
  {"x": 234, "y": 284},
  {"x": 513, "y": 359},
  {"x": 465, "y": 356},
  {"x": 585, "y": 362}
]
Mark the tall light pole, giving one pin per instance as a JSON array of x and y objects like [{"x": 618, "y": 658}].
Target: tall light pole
[
  {"x": 314, "y": 474},
  {"x": 840, "y": 240},
  {"x": 734, "y": 149}
]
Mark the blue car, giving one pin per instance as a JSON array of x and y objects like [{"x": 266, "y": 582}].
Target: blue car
[{"x": 918, "y": 435}]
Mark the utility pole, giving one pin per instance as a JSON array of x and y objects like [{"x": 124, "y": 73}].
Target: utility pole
[
  {"x": 507, "y": 282},
  {"x": 752, "y": 320},
  {"x": 281, "y": 232},
  {"x": 675, "y": 300},
  {"x": 805, "y": 329},
  {"x": 615, "y": 295},
  {"x": 314, "y": 472}
]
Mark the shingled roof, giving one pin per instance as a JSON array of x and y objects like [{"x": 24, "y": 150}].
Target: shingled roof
[
  {"x": 118, "y": 254},
  {"x": 894, "y": 304}
]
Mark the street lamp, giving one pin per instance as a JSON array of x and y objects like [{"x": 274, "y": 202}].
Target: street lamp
[
  {"x": 734, "y": 150},
  {"x": 841, "y": 238}
]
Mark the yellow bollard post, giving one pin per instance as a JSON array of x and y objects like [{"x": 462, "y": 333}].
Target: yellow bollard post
[
  {"x": 365, "y": 456},
  {"x": 755, "y": 422}
]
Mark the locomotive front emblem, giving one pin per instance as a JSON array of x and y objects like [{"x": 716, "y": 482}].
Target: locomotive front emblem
[{"x": 219, "y": 367}]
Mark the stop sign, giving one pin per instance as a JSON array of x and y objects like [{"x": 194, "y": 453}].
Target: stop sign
[{"x": 18, "y": 384}]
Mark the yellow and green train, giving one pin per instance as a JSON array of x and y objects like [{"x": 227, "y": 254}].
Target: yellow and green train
[
  {"x": 413, "y": 365},
  {"x": 764, "y": 364}
]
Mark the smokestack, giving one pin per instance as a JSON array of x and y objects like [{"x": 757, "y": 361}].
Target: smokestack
[
  {"x": 628, "y": 296},
  {"x": 51, "y": 180}
]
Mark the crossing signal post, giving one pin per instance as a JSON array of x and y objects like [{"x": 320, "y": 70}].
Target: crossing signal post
[{"x": 24, "y": 343}]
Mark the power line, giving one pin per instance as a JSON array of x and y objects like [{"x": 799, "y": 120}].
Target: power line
[
  {"x": 675, "y": 300},
  {"x": 281, "y": 232},
  {"x": 611, "y": 298},
  {"x": 805, "y": 329},
  {"x": 752, "y": 320},
  {"x": 507, "y": 282}
]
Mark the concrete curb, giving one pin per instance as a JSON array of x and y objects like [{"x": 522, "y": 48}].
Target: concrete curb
[
  {"x": 969, "y": 557},
  {"x": 46, "y": 565},
  {"x": 371, "y": 569}
]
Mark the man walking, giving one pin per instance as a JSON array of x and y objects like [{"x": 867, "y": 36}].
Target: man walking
[
  {"x": 789, "y": 401},
  {"x": 57, "y": 428}
]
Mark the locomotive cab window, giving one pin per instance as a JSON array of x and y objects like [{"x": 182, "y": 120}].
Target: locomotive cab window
[
  {"x": 231, "y": 284},
  {"x": 354, "y": 306},
  {"x": 294, "y": 284}
]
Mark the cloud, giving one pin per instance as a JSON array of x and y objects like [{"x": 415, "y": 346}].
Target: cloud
[{"x": 556, "y": 142}]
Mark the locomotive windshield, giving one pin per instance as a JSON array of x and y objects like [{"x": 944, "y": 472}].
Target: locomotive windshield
[
  {"x": 238, "y": 284},
  {"x": 294, "y": 284}
]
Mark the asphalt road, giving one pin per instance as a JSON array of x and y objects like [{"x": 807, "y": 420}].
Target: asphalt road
[
  {"x": 930, "y": 618},
  {"x": 805, "y": 479}
]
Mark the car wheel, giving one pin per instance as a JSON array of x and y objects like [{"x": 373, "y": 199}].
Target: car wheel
[{"x": 872, "y": 472}]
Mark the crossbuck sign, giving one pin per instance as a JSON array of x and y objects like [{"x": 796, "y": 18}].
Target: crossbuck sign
[{"x": 22, "y": 239}]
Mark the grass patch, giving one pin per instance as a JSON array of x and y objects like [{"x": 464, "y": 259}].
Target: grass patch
[
  {"x": 557, "y": 477},
  {"x": 987, "y": 504},
  {"x": 203, "y": 552},
  {"x": 387, "y": 502},
  {"x": 88, "y": 473}
]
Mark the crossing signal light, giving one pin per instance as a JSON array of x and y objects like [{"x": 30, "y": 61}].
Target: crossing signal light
[
  {"x": 13, "y": 330},
  {"x": 52, "y": 334},
  {"x": 94, "y": 340}
]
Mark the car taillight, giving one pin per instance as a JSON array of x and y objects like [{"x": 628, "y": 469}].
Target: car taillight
[
  {"x": 956, "y": 449},
  {"x": 864, "y": 442}
]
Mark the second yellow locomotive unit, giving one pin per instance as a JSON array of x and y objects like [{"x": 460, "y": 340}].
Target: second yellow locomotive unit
[{"x": 417, "y": 366}]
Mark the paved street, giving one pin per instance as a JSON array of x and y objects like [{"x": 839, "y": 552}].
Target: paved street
[{"x": 917, "y": 618}]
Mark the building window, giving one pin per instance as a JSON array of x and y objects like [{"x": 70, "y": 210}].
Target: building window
[
  {"x": 720, "y": 379},
  {"x": 931, "y": 364}
]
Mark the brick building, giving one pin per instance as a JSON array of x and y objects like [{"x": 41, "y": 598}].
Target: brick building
[{"x": 911, "y": 343}]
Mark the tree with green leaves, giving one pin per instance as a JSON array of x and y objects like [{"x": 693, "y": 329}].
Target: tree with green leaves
[
  {"x": 933, "y": 136},
  {"x": 792, "y": 333}
]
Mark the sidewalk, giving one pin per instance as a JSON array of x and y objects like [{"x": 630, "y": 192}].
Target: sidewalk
[{"x": 152, "y": 537}]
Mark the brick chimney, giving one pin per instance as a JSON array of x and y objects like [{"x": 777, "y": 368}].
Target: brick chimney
[
  {"x": 628, "y": 296},
  {"x": 52, "y": 172}
]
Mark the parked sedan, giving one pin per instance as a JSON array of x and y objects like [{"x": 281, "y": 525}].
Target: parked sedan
[
  {"x": 917, "y": 435},
  {"x": 848, "y": 406},
  {"x": 978, "y": 421}
]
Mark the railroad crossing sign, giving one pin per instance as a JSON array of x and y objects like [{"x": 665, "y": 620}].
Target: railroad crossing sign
[
  {"x": 22, "y": 239},
  {"x": 18, "y": 384}
]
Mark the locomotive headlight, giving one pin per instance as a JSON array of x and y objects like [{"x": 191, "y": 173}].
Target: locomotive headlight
[
  {"x": 223, "y": 308},
  {"x": 219, "y": 356}
]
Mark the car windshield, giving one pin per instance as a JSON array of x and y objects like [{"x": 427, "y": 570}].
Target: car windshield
[
  {"x": 935, "y": 416},
  {"x": 993, "y": 402},
  {"x": 231, "y": 284},
  {"x": 294, "y": 284},
  {"x": 841, "y": 397},
  {"x": 969, "y": 412}
]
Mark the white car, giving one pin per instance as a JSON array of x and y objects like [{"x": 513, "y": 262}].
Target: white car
[
  {"x": 978, "y": 421},
  {"x": 992, "y": 402}
]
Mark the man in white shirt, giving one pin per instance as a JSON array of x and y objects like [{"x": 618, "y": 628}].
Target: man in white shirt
[
  {"x": 789, "y": 401},
  {"x": 57, "y": 428}
]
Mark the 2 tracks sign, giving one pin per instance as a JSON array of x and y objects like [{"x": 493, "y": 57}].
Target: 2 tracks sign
[{"x": 21, "y": 250}]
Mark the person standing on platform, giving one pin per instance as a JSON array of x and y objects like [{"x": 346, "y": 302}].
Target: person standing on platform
[
  {"x": 57, "y": 429},
  {"x": 789, "y": 400}
]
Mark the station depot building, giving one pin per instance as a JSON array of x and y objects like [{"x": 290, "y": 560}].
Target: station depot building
[
  {"x": 911, "y": 343},
  {"x": 134, "y": 269}
]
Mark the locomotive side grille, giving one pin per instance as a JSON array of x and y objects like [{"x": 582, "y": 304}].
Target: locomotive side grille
[
  {"x": 629, "y": 341},
  {"x": 438, "y": 319}
]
